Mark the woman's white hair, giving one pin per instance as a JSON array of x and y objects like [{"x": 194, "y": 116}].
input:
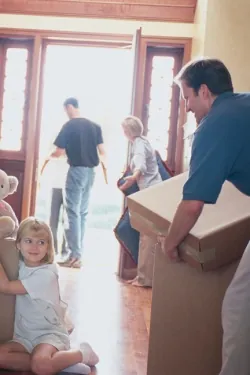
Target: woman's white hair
[{"x": 133, "y": 125}]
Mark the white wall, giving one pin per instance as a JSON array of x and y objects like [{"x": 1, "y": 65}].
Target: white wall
[
  {"x": 200, "y": 21},
  {"x": 228, "y": 38}
]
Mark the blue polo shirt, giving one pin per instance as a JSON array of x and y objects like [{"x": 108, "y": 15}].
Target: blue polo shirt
[{"x": 221, "y": 149}]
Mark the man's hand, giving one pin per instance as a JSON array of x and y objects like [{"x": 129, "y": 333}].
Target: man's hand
[
  {"x": 44, "y": 165},
  {"x": 167, "y": 249},
  {"x": 185, "y": 218}
]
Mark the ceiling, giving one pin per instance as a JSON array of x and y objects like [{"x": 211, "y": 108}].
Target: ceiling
[{"x": 149, "y": 10}]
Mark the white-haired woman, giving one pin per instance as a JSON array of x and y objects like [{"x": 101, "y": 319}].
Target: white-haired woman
[{"x": 145, "y": 173}]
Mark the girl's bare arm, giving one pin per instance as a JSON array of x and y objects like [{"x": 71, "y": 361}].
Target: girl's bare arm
[{"x": 10, "y": 287}]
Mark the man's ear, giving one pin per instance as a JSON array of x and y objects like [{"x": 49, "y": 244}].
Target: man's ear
[{"x": 204, "y": 91}]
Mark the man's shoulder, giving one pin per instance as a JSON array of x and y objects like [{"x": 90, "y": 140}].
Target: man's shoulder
[
  {"x": 232, "y": 105},
  {"x": 94, "y": 124},
  {"x": 83, "y": 121}
]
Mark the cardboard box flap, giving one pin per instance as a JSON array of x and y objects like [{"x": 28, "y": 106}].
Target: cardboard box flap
[{"x": 162, "y": 200}]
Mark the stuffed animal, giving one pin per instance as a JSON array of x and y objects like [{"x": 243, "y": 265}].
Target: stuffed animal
[{"x": 8, "y": 220}]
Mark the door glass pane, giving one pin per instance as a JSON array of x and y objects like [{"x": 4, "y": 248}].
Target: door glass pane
[
  {"x": 160, "y": 99},
  {"x": 13, "y": 99}
]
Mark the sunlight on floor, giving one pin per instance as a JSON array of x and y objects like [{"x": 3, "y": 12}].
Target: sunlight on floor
[{"x": 112, "y": 316}]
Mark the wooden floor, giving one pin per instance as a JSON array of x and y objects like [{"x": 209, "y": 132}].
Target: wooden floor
[{"x": 112, "y": 316}]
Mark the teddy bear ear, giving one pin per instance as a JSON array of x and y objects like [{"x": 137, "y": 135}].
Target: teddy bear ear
[{"x": 13, "y": 181}]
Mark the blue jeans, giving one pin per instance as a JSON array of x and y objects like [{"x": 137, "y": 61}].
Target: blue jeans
[
  {"x": 56, "y": 207},
  {"x": 77, "y": 192}
]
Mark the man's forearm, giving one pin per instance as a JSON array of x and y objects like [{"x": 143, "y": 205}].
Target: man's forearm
[
  {"x": 103, "y": 160},
  {"x": 185, "y": 218}
]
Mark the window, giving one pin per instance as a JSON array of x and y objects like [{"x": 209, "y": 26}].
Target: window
[
  {"x": 161, "y": 100},
  {"x": 13, "y": 96}
]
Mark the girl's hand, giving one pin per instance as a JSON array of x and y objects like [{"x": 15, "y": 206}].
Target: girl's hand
[
  {"x": 3, "y": 278},
  {"x": 129, "y": 181},
  {"x": 10, "y": 287}
]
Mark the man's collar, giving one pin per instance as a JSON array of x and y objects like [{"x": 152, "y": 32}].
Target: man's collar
[{"x": 221, "y": 97}]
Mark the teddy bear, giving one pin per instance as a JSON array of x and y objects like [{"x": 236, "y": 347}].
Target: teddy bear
[{"x": 8, "y": 220}]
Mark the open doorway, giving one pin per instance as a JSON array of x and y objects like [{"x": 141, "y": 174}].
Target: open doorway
[{"x": 100, "y": 78}]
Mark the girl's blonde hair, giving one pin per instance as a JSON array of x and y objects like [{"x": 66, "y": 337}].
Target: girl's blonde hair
[
  {"x": 31, "y": 224},
  {"x": 133, "y": 126}
]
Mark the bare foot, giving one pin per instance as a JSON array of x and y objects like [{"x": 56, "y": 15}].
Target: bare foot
[
  {"x": 66, "y": 262},
  {"x": 131, "y": 281},
  {"x": 77, "y": 263},
  {"x": 139, "y": 285}
]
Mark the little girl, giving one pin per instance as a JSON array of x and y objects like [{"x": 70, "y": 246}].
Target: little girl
[{"x": 41, "y": 342}]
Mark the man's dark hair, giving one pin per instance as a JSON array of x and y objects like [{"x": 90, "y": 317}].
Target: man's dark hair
[
  {"x": 211, "y": 72},
  {"x": 71, "y": 101}
]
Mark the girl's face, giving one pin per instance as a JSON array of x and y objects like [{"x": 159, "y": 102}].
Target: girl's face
[
  {"x": 34, "y": 247},
  {"x": 127, "y": 133}
]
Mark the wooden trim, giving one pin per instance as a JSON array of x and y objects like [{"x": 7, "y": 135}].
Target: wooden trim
[
  {"x": 64, "y": 35},
  {"x": 174, "y": 42},
  {"x": 182, "y": 117},
  {"x": 125, "y": 260},
  {"x": 12, "y": 155},
  {"x": 152, "y": 41},
  {"x": 36, "y": 176},
  {"x": 89, "y": 43},
  {"x": 171, "y": 11},
  {"x": 173, "y": 129},
  {"x": 32, "y": 117},
  {"x": 2, "y": 76},
  {"x": 141, "y": 77}
]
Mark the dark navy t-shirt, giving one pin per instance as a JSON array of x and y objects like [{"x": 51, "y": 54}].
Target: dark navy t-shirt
[
  {"x": 221, "y": 149},
  {"x": 80, "y": 138}
]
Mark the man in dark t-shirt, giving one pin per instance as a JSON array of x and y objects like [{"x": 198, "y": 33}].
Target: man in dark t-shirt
[
  {"x": 220, "y": 152},
  {"x": 82, "y": 141}
]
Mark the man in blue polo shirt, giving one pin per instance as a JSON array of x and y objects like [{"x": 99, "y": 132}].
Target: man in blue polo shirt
[{"x": 220, "y": 152}]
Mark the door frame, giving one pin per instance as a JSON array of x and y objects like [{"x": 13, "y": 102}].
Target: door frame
[
  {"x": 39, "y": 36},
  {"x": 15, "y": 159},
  {"x": 186, "y": 44},
  {"x": 39, "y": 39},
  {"x": 98, "y": 41},
  {"x": 127, "y": 268}
]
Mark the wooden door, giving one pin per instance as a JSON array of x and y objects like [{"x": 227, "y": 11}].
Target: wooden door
[
  {"x": 126, "y": 266},
  {"x": 15, "y": 69}
]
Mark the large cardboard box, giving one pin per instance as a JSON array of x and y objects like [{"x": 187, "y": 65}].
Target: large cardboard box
[
  {"x": 218, "y": 238},
  {"x": 186, "y": 333},
  {"x": 9, "y": 260}
]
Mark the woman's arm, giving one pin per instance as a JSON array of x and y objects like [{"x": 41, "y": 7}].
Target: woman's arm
[{"x": 10, "y": 287}]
